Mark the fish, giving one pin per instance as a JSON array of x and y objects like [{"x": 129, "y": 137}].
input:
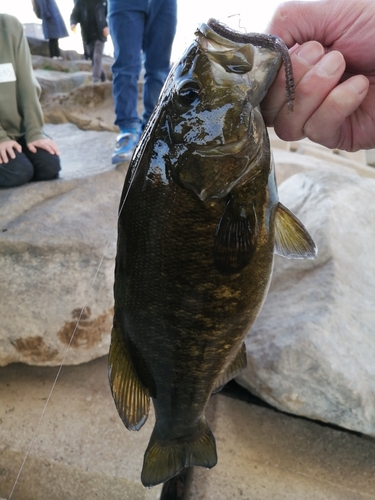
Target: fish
[{"x": 199, "y": 224}]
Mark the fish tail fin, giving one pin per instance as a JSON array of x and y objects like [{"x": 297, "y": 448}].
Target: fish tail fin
[{"x": 164, "y": 459}]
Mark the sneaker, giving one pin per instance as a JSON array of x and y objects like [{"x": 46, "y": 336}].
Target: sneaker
[{"x": 125, "y": 145}]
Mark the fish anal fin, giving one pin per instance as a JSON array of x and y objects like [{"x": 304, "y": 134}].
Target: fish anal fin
[
  {"x": 131, "y": 398},
  {"x": 237, "y": 365},
  {"x": 165, "y": 459},
  {"x": 291, "y": 237},
  {"x": 235, "y": 238}
]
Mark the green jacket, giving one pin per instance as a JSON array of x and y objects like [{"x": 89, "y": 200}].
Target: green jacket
[{"x": 20, "y": 110}]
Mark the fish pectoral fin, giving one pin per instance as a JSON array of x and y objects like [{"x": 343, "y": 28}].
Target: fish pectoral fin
[
  {"x": 164, "y": 459},
  {"x": 291, "y": 237},
  {"x": 237, "y": 365},
  {"x": 235, "y": 238},
  {"x": 131, "y": 398}
]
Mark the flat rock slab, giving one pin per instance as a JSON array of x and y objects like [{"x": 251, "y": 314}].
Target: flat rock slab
[
  {"x": 265, "y": 455},
  {"x": 83, "y": 451},
  {"x": 83, "y": 152},
  {"x": 57, "y": 81},
  {"x": 81, "y": 448}
]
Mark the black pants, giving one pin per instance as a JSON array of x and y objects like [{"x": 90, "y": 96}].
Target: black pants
[
  {"x": 54, "y": 48},
  {"x": 28, "y": 166}
]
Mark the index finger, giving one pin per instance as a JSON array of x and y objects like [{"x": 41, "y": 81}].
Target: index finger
[{"x": 303, "y": 58}]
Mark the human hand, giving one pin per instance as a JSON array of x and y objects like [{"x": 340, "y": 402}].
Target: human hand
[
  {"x": 106, "y": 31},
  {"x": 47, "y": 144},
  {"x": 335, "y": 79},
  {"x": 73, "y": 27},
  {"x": 7, "y": 149}
]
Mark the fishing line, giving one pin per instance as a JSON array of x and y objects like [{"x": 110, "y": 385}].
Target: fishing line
[
  {"x": 243, "y": 28},
  {"x": 112, "y": 235}
]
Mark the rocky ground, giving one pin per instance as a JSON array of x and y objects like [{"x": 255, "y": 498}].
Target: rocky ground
[{"x": 310, "y": 354}]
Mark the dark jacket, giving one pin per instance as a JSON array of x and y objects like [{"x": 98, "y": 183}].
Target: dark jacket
[
  {"x": 92, "y": 16},
  {"x": 52, "y": 21}
]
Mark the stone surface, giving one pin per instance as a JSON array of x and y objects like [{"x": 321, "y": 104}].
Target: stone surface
[
  {"x": 265, "y": 455},
  {"x": 56, "y": 81},
  {"x": 57, "y": 250},
  {"x": 70, "y": 66},
  {"x": 311, "y": 351},
  {"x": 89, "y": 107},
  {"x": 81, "y": 450}
]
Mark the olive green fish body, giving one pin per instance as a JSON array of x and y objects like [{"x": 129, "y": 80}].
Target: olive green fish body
[{"x": 198, "y": 226}]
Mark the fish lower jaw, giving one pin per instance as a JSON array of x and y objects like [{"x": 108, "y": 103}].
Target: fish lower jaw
[{"x": 228, "y": 148}]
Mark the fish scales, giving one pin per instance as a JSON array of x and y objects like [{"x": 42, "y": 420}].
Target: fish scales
[{"x": 198, "y": 226}]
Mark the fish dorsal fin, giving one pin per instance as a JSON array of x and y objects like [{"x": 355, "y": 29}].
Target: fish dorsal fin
[
  {"x": 235, "y": 238},
  {"x": 237, "y": 365},
  {"x": 131, "y": 397},
  {"x": 291, "y": 237}
]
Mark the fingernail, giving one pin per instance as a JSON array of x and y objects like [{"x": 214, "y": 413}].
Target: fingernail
[
  {"x": 311, "y": 52},
  {"x": 360, "y": 83},
  {"x": 330, "y": 63}
]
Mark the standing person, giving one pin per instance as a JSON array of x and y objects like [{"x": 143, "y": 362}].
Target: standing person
[
  {"x": 138, "y": 25},
  {"x": 92, "y": 16},
  {"x": 26, "y": 153},
  {"x": 85, "y": 53},
  {"x": 52, "y": 23}
]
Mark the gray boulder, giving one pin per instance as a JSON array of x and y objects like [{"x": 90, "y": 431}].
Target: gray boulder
[
  {"x": 311, "y": 351},
  {"x": 57, "y": 250}
]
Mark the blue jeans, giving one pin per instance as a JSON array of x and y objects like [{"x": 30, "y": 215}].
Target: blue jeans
[{"x": 137, "y": 26}]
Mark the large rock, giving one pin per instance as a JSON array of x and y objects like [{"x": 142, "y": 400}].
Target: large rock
[
  {"x": 311, "y": 352},
  {"x": 89, "y": 107},
  {"x": 57, "y": 249}
]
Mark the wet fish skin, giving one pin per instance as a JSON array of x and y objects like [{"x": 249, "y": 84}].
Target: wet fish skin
[{"x": 197, "y": 229}]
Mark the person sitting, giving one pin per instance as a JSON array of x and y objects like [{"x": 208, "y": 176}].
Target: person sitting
[{"x": 26, "y": 152}]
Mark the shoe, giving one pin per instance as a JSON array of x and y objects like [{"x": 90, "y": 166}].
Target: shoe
[{"x": 125, "y": 145}]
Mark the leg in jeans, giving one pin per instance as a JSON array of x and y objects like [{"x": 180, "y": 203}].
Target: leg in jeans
[
  {"x": 157, "y": 46},
  {"x": 97, "y": 55},
  {"x": 126, "y": 28},
  {"x": 16, "y": 172}
]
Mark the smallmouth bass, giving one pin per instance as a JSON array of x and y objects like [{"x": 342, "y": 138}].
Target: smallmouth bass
[{"x": 199, "y": 223}]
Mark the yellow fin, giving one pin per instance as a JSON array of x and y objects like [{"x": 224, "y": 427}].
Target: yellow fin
[
  {"x": 291, "y": 237},
  {"x": 237, "y": 365},
  {"x": 131, "y": 397},
  {"x": 164, "y": 459}
]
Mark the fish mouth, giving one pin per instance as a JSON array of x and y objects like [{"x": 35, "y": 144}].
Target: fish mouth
[{"x": 231, "y": 148}]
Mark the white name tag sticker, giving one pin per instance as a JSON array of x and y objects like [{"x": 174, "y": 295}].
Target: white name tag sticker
[{"x": 7, "y": 73}]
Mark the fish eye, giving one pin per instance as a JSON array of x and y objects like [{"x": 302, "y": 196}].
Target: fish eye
[{"x": 188, "y": 92}]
